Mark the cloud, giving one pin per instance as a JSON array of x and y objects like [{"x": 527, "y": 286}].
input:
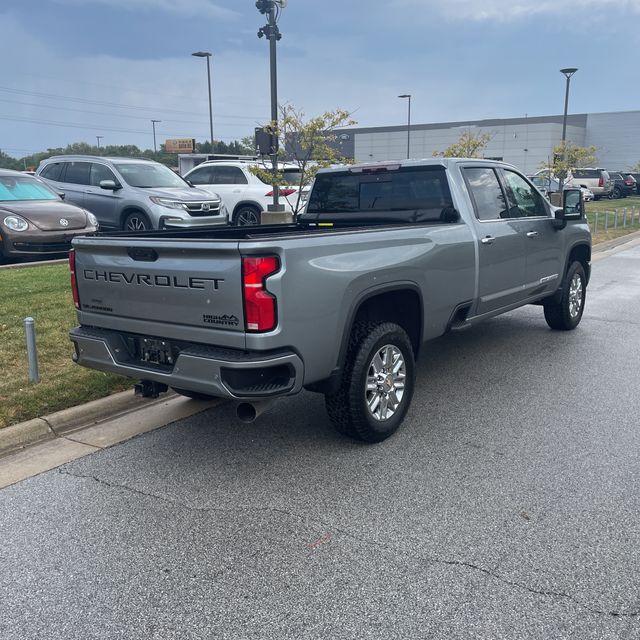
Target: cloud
[
  {"x": 511, "y": 10},
  {"x": 197, "y": 8}
]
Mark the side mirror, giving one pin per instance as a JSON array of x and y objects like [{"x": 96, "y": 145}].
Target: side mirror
[
  {"x": 110, "y": 185},
  {"x": 572, "y": 208},
  {"x": 572, "y": 204},
  {"x": 61, "y": 194}
]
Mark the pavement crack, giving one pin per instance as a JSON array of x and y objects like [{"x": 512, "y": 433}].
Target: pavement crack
[
  {"x": 369, "y": 542},
  {"x": 114, "y": 485},
  {"x": 540, "y": 592}
]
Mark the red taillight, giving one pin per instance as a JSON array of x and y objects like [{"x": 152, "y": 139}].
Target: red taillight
[
  {"x": 601, "y": 182},
  {"x": 283, "y": 192},
  {"x": 74, "y": 280},
  {"x": 260, "y": 309}
]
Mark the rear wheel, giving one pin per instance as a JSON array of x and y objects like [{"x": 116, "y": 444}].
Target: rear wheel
[
  {"x": 247, "y": 215},
  {"x": 377, "y": 383},
  {"x": 194, "y": 395},
  {"x": 566, "y": 314},
  {"x": 136, "y": 221},
  {"x": 617, "y": 193}
]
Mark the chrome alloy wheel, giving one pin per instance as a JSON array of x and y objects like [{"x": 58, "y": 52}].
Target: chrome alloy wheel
[
  {"x": 576, "y": 294},
  {"x": 385, "y": 382}
]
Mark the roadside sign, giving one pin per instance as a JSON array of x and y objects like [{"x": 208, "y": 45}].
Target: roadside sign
[{"x": 180, "y": 145}]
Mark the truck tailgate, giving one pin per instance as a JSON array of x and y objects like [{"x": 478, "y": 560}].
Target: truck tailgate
[{"x": 189, "y": 282}]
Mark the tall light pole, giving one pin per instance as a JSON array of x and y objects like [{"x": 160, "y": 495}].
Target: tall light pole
[
  {"x": 207, "y": 55},
  {"x": 153, "y": 124},
  {"x": 272, "y": 10},
  {"x": 408, "y": 95},
  {"x": 567, "y": 73},
  {"x": 98, "y": 138}
]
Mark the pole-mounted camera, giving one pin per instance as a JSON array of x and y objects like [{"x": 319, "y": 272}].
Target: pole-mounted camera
[{"x": 272, "y": 8}]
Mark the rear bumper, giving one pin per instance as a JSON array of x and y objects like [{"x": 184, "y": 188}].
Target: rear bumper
[{"x": 215, "y": 371}]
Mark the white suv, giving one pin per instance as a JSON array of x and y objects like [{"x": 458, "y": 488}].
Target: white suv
[{"x": 244, "y": 195}]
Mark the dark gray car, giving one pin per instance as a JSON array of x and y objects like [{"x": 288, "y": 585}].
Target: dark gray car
[{"x": 132, "y": 194}]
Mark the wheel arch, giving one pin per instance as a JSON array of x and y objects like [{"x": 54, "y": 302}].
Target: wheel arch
[
  {"x": 580, "y": 252},
  {"x": 247, "y": 203}
]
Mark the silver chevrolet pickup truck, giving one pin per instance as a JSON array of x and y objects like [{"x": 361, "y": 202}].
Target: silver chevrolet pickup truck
[{"x": 385, "y": 257}]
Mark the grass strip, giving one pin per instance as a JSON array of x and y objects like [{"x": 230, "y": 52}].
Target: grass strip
[{"x": 44, "y": 293}]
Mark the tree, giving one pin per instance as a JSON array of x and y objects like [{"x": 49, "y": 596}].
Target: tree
[
  {"x": 576, "y": 157},
  {"x": 636, "y": 167},
  {"x": 470, "y": 145},
  {"x": 310, "y": 144}
]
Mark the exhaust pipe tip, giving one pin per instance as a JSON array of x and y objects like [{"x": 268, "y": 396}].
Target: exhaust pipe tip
[{"x": 246, "y": 412}]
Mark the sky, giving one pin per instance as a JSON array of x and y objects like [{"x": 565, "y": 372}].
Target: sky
[{"x": 76, "y": 69}]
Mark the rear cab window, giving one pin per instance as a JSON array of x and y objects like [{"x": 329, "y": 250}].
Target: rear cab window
[{"x": 381, "y": 195}]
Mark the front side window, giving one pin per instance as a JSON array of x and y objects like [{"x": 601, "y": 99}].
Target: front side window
[
  {"x": 99, "y": 173},
  {"x": 77, "y": 172},
  {"x": 14, "y": 188},
  {"x": 203, "y": 175},
  {"x": 525, "y": 200},
  {"x": 149, "y": 176},
  {"x": 409, "y": 194},
  {"x": 488, "y": 197}
]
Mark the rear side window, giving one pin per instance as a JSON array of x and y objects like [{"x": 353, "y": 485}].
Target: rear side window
[
  {"x": 586, "y": 173},
  {"x": 78, "y": 172},
  {"x": 52, "y": 171},
  {"x": 408, "y": 194},
  {"x": 228, "y": 175},
  {"x": 486, "y": 192}
]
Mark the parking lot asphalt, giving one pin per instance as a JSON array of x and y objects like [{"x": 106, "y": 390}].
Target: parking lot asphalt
[{"x": 506, "y": 506}]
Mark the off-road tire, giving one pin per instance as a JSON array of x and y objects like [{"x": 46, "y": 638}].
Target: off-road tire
[
  {"x": 563, "y": 315},
  {"x": 347, "y": 408}
]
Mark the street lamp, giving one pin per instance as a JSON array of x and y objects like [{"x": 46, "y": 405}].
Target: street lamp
[
  {"x": 408, "y": 95},
  {"x": 207, "y": 55},
  {"x": 98, "y": 138},
  {"x": 567, "y": 73},
  {"x": 153, "y": 124}
]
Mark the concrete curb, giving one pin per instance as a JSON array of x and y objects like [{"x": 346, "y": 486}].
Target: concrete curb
[
  {"x": 63, "y": 422},
  {"x": 23, "y": 434}
]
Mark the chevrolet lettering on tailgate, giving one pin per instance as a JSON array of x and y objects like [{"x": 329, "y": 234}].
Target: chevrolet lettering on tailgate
[{"x": 153, "y": 280}]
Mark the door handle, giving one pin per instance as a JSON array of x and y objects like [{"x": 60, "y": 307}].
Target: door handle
[
  {"x": 532, "y": 234},
  {"x": 487, "y": 240}
]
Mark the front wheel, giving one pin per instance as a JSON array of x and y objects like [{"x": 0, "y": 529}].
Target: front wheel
[
  {"x": 566, "y": 314},
  {"x": 377, "y": 383},
  {"x": 136, "y": 221}
]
